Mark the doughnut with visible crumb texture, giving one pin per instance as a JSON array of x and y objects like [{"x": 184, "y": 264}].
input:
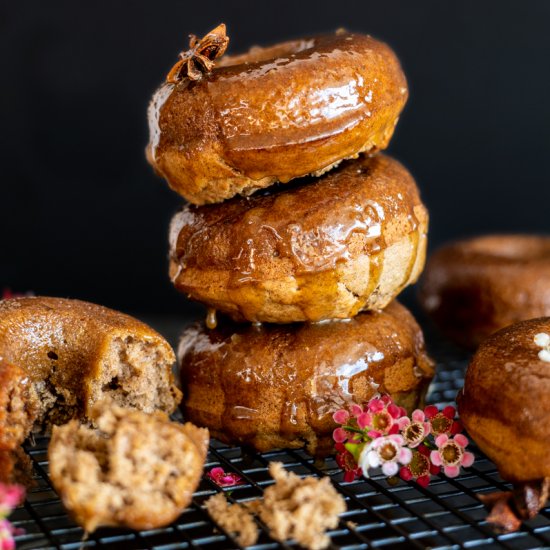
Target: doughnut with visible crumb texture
[
  {"x": 273, "y": 386},
  {"x": 346, "y": 242},
  {"x": 475, "y": 287},
  {"x": 275, "y": 114},
  {"x": 75, "y": 354},
  {"x": 136, "y": 470}
]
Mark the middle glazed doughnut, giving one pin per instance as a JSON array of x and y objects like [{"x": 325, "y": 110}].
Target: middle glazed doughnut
[
  {"x": 348, "y": 241},
  {"x": 270, "y": 386}
]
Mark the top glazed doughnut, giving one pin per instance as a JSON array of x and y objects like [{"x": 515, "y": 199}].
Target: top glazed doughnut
[{"x": 274, "y": 114}]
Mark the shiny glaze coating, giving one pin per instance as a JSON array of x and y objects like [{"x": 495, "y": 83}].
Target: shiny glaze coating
[
  {"x": 329, "y": 248},
  {"x": 475, "y": 287},
  {"x": 275, "y": 114},
  {"x": 272, "y": 386},
  {"x": 505, "y": 402},
  {"x": 67, "y": 347}
]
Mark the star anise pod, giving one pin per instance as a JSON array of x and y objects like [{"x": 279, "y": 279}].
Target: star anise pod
[{"x": 200, "y": 57}]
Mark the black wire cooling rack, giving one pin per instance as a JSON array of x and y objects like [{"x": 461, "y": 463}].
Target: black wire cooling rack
[{"x": 446, "y": 515}]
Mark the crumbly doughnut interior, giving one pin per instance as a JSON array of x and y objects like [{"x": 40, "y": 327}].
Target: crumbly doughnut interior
[
  {"x": 135, "y": 374},
  {"x": 137, "y": 470},
  {"x": 292, "y": 508},
  {"x": 234, "y": 518},
  {"x": 20, "y": 410},
  {"x": 300, "y": 508}
]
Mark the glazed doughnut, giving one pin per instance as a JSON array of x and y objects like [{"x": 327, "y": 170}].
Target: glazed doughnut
[
  {"x": 504, "y": 404},
  {"x": 137, "y": 470},
  {"x": 76, "y": 354},
  {"x": 505, "y": 407},
  {"x": 275, "y": 114},
  {"x": 270, "y": 386},
  {"x": 348, "y": 241},
  {"x": 474, "y": 287}
]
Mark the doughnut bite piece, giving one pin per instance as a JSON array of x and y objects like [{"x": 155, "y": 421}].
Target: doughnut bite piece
[
  {"x": 273, "y": 386},
  {"x": 274, "y": 114},
  {"x": 328, "y": 248},
  {"x": 75, "y": 354},
  {"x": 505, "y": 407},
  {"x": 136, "y": 470},
  {"x": 475, "y": 287}
]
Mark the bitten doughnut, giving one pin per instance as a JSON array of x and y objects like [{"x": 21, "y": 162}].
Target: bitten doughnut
[
  {"x": 75, "y": 354},
  {"x": 348, "y": 241},
  {"x": 273, "y": 114},
  {"x": 474, "y": 287},
  {"x": 505, "y": 407},
  {"x": 272, "y": 386},
  {"x": 137, "y": 470}
]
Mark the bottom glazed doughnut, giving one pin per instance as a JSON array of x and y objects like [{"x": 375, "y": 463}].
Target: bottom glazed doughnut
[{"x": 270, "y": 386}]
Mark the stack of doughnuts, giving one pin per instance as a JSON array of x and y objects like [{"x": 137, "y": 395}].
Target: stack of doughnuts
[{"x": 296, "y": 230}]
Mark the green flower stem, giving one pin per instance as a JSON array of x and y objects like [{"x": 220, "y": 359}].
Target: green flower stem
[{"x": 357, "y": 431}]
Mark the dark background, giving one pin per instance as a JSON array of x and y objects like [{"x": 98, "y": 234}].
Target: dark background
[{"x": 83, "y": 214}]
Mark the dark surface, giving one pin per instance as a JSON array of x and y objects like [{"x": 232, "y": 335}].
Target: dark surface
[
  {"x": 446, "y": 515},
  {"x": 84, "y": 216}
]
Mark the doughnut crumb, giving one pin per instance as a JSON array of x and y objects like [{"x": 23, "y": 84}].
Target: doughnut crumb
[
  {"x": 234, "y": 518},
  {"x": 292, "y": 508},
  {"x": 136, "y": 470},
  {"x": 298, "y": 508}
]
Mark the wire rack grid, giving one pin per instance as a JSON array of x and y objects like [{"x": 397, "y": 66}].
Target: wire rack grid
[{"x": 445, "y": 515}]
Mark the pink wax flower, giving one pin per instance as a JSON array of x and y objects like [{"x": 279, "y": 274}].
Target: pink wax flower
[
  {"x": 416, "y": 430},
  {"x": 346, "y": 462},
  {"x": 219, "y": 477},
  {"x": 385, "y": 451},
  {"x": 420, "y": 468},
  {"x": 450, "y": 454}
]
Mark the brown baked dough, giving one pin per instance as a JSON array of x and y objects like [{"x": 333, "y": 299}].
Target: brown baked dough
[
  {"x": 348, "y": 241},
  {"x": 275, "y": 114},
  {"x": 272, "y": 386},
  {"x": 18, "y": 405},
  {"x": 505, "y": 402},
  {"x": 75, "y": 353},
  {"x": 138, "y": 470},
  {"x": 474, "y": 287}
]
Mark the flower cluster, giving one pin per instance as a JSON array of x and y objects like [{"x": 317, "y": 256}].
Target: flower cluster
[
  {"x": 381, "y": 434},
  {"x": 10, "y": 497}
]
